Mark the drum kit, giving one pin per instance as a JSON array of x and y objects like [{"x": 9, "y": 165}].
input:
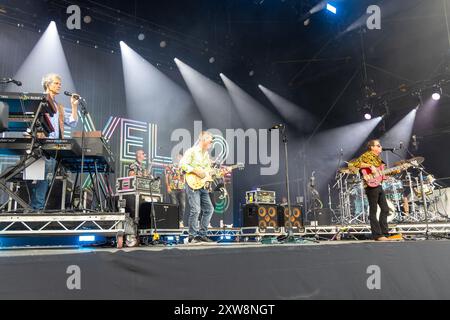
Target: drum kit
[{"x": 404, "y": 194}]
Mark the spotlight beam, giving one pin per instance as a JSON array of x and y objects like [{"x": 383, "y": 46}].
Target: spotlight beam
[
  {"x": 253, "y": 113},
  {"x": 212, "y": 100},
  {"x": 150, "y": 94},
  {"x": 47, "y": 56},
  {"x": 400, "y": 133},
  {"x": 294, "y": 114},
  {"x": 327, "y": 147}
]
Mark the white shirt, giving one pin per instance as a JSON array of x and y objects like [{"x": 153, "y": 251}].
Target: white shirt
[{"x": 68, "y": 120}]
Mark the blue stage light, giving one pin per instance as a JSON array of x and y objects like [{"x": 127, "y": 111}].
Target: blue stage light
[
  {"x": 331, "y": 8},
  {"x": 86, "y": 238}
]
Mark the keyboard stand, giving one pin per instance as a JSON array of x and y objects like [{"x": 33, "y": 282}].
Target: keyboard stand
[{"x": 33, "y": 154}]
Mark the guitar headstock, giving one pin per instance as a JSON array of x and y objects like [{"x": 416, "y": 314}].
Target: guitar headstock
[{"x": 240, "y": 166}]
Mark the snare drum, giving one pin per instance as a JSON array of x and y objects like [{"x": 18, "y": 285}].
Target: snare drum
[{"x": 428, "y": 187}]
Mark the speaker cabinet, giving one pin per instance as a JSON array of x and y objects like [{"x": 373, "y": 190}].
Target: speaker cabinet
[
  {"x": 166, "y": 216},
  {"x": 262, "y": 216},
  {"x": 295, "y": 217},
  {"x": 320, "y": 217}
]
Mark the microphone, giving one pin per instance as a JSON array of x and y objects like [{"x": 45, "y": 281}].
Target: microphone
[
  {"x": 312, "y": 179},
  {"x": 277, "y": 126},
  {"x": 9, "y": 80},
  {"x": 401, "y": 145},
  {"x": 389, "y": 149},
  {"x": 16, "y": 82},
  {"x": 76, "y": 96}
]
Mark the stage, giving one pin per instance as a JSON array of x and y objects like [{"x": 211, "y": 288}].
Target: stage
[{"x": 325, "y": 270}]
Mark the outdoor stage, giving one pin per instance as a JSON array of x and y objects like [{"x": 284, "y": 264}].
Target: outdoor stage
[{"x": 327, "y": 270}]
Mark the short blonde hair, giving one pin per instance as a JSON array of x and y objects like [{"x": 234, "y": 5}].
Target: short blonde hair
[
  {"x": 204, "y": 134},
  {"x": 49, "y": 78}
]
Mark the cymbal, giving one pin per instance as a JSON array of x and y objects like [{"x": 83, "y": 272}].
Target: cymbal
[
  {"x": 416, "y": 160},
  {"x": 399, "y": 163}
]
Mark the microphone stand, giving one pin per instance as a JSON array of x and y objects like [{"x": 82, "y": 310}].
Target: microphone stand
[
  {"x": 425, "y": 205},
  {"x": 84, "y": 113},
  {"x": 155, "y": 237},
  {"x": 290, "y": 232}
]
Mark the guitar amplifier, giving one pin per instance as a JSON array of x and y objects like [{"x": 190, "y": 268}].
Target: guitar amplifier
[
  {"x": 260, "y": 197},
  {"x": 130, "y": 184},
  {"x": 134, "y": 200},
  {"x": 166, "y": 216}
]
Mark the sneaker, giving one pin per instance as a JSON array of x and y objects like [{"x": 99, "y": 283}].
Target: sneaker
[
  {"x": 194, "y": 239},
  {"x": 381, "y": 239},
  {"x": 204, "y": 239}
]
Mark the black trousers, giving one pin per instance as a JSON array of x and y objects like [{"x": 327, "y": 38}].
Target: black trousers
[{"x": 377, "y": 197}]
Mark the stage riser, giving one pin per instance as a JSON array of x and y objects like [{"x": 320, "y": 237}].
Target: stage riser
[{"x": 411, "y": 270}]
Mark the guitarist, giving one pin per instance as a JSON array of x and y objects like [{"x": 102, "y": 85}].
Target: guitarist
[
  {"x": 371, "y": 160},
  {"x": 196, "y": 160}
]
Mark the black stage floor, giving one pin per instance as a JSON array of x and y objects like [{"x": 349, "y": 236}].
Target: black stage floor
[{"x": 329, "y": 270}]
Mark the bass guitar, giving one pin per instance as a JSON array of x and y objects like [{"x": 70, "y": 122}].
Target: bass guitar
[{"x": 374, "y": 178}]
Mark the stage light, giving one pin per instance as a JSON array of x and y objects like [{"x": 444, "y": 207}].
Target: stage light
[
  {"x": 86, "y": 238},
  {"x": 141, "y": 37},
  {"x": 87, "y": 19},
  {"x": 212, "y": 60},
  {"x": 437, "y": 92},
  {"x": 367, "y": 116},
  {"x": 251, "y": 73},
  {"x": 331, "y": 8},
  {"x": 436, "y": 96},
  {"x": 163, "y": 44}
]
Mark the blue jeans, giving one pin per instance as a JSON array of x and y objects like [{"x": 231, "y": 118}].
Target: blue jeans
[
  {"x": 202, "y": 207},
  {"x": 38, "y": 191}
]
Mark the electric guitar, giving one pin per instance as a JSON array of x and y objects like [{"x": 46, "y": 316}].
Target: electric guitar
[
  {"x": 374, "y": 179},
  {"x": 196, "y": 183}
]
